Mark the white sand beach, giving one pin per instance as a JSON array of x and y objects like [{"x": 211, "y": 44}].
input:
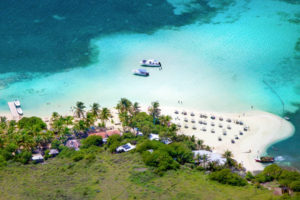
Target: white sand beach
[{"x": 263, "y": 129}]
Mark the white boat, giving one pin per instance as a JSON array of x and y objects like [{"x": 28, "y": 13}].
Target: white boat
[
  {"x": 17, "y": 103},
  {"x": 19, "y": 110},
  {"x": 150, "y": 63},
  {"x": 141, "y": 72}
]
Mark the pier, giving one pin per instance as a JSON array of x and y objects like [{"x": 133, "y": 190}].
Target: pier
[{"x": 13, "y": 111}]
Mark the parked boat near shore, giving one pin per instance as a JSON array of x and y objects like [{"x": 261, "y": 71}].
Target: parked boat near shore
[
  {"x": 265, "y": 159},
  {"x": 150, "y": 63},
  {"x": 141, "y": 72}
]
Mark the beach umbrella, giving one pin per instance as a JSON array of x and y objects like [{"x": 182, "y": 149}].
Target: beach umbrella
[
  {"x": 228, "y": 120},
  {"x": 186, "y": 119},
  {"x": 221, "y": 118},
  {"x": 228, "y": 127},
  {"x": 220, "y": 126},
  {"x": 212, "y": 117},
  {"x": 212, "y": 131},
  {"x": 193, "y": 121},
  {"x": 212, "y": 124},
  {"x": 186, "y": 126},
  {"x": 176, "y": 112},
  {"x": 192, "y": 114},
  {"x": 194, "y": 127},
  {"x": 220, "y": 139}
]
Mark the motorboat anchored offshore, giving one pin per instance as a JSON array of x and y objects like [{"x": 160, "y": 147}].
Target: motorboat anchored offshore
[
  {"x": 150, "y": 63},
  {"x": 141, "y": 72}
]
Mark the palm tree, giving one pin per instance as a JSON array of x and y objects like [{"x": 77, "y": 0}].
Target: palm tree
[
  {"x": 124, "y": 105},
  {"x": 165, "y": 120},
  {"x": 69, "y": 120},
  {"x": 200, "y": 144},
  {"x": 105, "y": 115},
  {"x": 136, "y": 108},
  {"x": 204, "y": 158},
  {"x": 227, "y": 154},
  {"x": 79, "y": 109},
  {"x": 154, "y": 110},
  {"x": 95, "y": 109},
  {"x": 3, "y": 123},
  {"x": 90, "y": 119},
  {"x": 55, "y": 116}
]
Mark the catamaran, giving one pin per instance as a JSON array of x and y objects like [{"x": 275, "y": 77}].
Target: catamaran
[
  {"x": 141, "y": 72},
  {"x": 150, "y": 63}
]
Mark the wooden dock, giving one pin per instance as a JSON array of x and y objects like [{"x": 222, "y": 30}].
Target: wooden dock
[{"x": 13, "y": 111}]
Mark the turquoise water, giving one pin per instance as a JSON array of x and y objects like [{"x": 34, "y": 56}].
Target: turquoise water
[{"x": 215, "y": 55}]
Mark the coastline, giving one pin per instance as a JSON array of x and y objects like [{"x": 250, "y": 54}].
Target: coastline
[{"x": 265, "y": 129}]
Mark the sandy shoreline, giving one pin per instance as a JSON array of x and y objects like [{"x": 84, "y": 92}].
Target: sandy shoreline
[{"x": 264, "y": 129}]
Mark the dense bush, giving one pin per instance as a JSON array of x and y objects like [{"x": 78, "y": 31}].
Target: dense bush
[
  {"x": 2, "y": 161},
  {"x": 113, "y": 142},
  {"x": 225, "y": 176},
  {"x": 77, "y": 156},
  {"x": 295, "y": 186},
  {"x": 270, "y": 173},
  {"x": 159, "y": 159},
  {"x": 24, "y": 157},
  {"x": 55, "y": 144},
  {"x": 249, "y": 176},
  {"x": 34, "y": 124},
  {"x": 93, "y": 140},
  {"x": 181, "y": 153}
]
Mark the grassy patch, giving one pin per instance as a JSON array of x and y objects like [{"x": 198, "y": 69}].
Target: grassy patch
[{"x": 113, "y": 176}]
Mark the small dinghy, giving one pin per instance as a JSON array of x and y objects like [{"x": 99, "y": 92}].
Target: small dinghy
[
  {"x": 140, "y": 72},
  {"x": 150, "y": 63}
]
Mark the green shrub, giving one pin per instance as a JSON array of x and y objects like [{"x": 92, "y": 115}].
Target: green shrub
[
  {"x": 78, "y": 156},
  {"x": 181, "y": 153},
  {"x": 66, "y": 152},
  {"x": 55, "y": 144},
  {"x": 46, "y": 156},
  {"x": 272, "y": 171},
  {"x": 249, "y": 176},
  {"x": 295, "y": 186},
  {"x": 34, "y": 124},
  {"x": 112, "y": 148},
  {"x": 93, "y": 140},
  {"x": 24, "y": 157},
  {"x": 2, "y": 161},
  {"x": 159, "y": 159},
  {"x": 225, "y": 176},
  {"x": 114, "y": 139},
  {"x": 287, "y": 177},
  {"x": 90, "y": 157}
]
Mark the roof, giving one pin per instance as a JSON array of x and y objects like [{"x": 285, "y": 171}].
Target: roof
[
  {"x": 37, "y": 157},
  {"x": 105, "y": 134},
  {"x": 125, "y": 147},
  {"x": 153, "y": 136},
  {"x": 53, "y": 151},
  {"x": 212, "y": 157},
  {"x": 73, "y": 144}
]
